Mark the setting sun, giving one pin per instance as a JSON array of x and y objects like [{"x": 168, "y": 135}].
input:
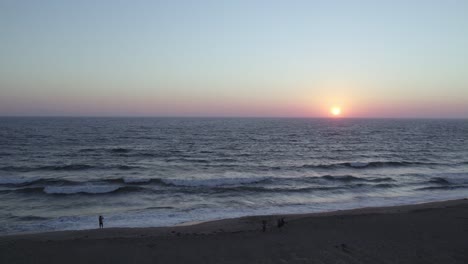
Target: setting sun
[{"x": 336, "y": 111}]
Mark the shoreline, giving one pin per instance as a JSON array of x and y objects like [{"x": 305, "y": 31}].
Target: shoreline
[
  {"x": 340, "y": 212},
  {"x": 433, "y": 232}
]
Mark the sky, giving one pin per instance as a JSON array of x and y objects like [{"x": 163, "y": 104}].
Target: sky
[{"x": 402, "y": 59}]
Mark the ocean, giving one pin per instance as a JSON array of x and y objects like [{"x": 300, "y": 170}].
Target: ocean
[{"x": 62, "y": 173}]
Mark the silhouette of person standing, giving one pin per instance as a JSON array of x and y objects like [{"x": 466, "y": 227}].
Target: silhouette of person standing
[
  {"x": 264, "y": 225},
  {"x": 281, "y": 223},
  {"x": 101, "y": 221}
]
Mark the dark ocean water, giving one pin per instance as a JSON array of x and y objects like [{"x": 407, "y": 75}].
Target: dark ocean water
[{"x": 61, "y": 173}]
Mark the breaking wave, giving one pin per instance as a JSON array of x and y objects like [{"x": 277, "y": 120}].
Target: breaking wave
[{"x": 112, "y": 185}]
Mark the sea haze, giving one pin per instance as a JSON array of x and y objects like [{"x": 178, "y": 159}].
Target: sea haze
[{"x": 61, "y": 173}]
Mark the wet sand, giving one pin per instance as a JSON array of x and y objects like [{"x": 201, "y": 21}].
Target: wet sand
[{"x": 424, "y": 233}]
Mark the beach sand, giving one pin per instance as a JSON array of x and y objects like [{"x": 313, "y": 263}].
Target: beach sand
[{"x": 425, "y": 233}]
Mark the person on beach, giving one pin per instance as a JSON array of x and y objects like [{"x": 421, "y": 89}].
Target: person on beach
[
  {"x": 264, "y": 224},
  {"x": 281, "y": 223},
  {"x": 101, "y": 221}
]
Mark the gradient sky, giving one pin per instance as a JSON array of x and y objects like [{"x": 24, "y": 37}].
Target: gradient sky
[{"x": 234, "y": 58}]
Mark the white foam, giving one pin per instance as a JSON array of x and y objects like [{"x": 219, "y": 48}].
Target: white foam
[{"x": 80, "y": 189}]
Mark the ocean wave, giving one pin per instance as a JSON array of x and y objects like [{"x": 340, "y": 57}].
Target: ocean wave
[
  {"x": 69, "y": 167},
  {"x": 79, "y": 189},
  {"x": 24, "y": 190},
  {"x": 31, "y": 218},
  {"x": 228, "y": 182},
  {"x": 15, "y": 181},
  {"x": 439, "y": 180},
  {"x": 135, "y": 180},
  {"x": 358, "y": 164},
  {"x": 111, "y": 150},
  {"x": 75, "y": 189},
  {"x": 38, "y": 182},
  {"x": 350, "y": 178},
  {"x": 224, "y": 160},
  {"x": 385, "y": 185},
  {"x": 276, "y": 189},
  {"x": 113, "y": 189},
  {"x": 372, "y": 164},
  {"x": 126, "y": 167},
  {"x": 148, "y": 154},
  {"x": 88, "y": 189},
  {"x": 119, "y": 150},
  {"x": 88, "y": 150},
  {"x": 152, "y": 208},
  {"x": 35, "y": 181},
  {"x": 294, "y": 189},
  {"x": 227, "y": 163},
  {"x": 190, "y": 160},
  {"x": 219, "y": 184},
  {"x": 213, "y": 182},
  {"x": 446, "y": 187},
  {"x": 455, "y": 175}
]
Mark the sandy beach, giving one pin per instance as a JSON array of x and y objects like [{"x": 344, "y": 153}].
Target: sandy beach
[{"x": 424, "y": 233}]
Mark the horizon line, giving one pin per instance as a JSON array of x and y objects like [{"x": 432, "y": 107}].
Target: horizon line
[{"x": 227, "y": 117}]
